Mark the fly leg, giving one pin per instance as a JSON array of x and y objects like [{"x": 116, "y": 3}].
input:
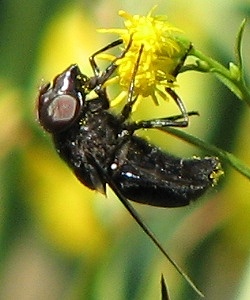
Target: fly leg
[
  {"x": 131, "y": 99},
  {"x": 100, "y": 77},
  {"x": 95, "y": 68},
  {"x": 163, "y": 122}
]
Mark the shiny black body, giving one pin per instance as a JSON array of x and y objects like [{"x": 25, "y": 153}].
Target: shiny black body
[{"x": 101, "y": 149}]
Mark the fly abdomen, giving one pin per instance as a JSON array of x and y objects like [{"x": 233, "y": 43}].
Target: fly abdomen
[{"x": 149, "y": 176}]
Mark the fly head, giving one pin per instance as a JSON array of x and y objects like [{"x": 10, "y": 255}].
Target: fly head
[{"x": 60, "y": 104}]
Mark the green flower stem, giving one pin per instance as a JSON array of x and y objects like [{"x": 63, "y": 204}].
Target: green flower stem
[
  {"x": 235, "y": 83},
  {"x": 222, "y": 154}
]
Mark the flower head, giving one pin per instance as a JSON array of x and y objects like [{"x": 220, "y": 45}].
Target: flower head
[{"x": 162, "y": 55}]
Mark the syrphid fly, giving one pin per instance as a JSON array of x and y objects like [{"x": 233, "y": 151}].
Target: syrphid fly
[{"x": 102, "y": 149}]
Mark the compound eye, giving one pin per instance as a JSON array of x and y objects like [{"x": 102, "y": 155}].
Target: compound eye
[
  {"x": 62, "y": 109},
  {"x": 59, "y": 113}
]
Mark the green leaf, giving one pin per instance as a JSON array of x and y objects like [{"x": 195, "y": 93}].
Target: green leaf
[
  {"x": 229, "y": 83},
  {"x": 232, "y": 160},
  {"x": 164, "y": 290},
  {"x": 238, "y": 45}
]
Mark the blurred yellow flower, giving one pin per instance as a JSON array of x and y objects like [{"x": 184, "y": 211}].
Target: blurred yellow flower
[
  {"x": 62, "y": 205},
  {"x": 63, "y": 208}
]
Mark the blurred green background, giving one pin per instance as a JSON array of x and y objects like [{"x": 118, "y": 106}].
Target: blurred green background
[{"x": 59, "y": 240}]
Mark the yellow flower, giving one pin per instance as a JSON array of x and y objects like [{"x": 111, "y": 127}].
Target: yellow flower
[{"x": 162, "y": 55}]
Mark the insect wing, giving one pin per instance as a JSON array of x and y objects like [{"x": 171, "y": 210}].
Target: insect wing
[
  {"x": 147, "y": 230},
  {"x": 145, "y": 174}
]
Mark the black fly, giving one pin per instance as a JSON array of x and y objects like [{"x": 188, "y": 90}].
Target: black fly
[{"x": 101, "y": 148}]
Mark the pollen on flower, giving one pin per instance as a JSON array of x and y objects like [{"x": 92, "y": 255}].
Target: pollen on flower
[{"x": 163, "y": 52}]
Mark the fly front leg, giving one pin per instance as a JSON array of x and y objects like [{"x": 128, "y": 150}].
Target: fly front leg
[
  {"x": 95, "y": 68},
  {"x": 100, "y": 77}
]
